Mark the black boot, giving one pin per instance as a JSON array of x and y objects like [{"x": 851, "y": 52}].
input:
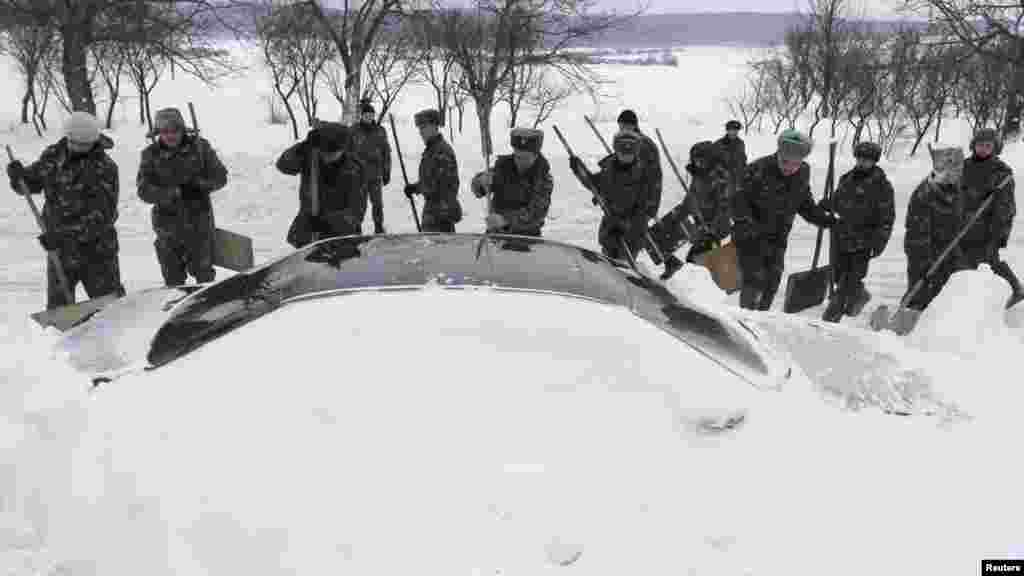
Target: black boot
[
  {"x": 672, "y": 265},
  {"x": 378, "y": 228},
  {"x": 856, "y": 304},
  {"x": 750, "y": 298},
  {"x": 834, "y": 311}
]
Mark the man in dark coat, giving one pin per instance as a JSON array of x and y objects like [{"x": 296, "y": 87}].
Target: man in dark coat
[
  {"x": 934, "y": 217},
  {"x": 340, "y": 193},
  {"x": 624, "y": 186},
  {"x": 983, "y": 172},
  {"x": 438, "y": 177},
  {"x": 775, "y": 189},
  {"x": 648, "y": 159},
  {"x": 177, "y": 174},
  {"x": 735, "y": 152},
  {"x": 370, "y": 142},
  {"x": 519, "y": 185},
  {"x": 865, "y": 203},
  {"x": 80, "y": 184}
]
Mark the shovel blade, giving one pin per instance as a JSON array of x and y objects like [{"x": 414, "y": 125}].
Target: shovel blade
[
  {"x": 901, "y": 323},
  {"x": 67, "y": 317}
]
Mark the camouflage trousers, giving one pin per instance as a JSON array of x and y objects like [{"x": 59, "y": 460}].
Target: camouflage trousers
[
  {"x": 376, "y": 194},
  {"x": 99, "y": 273},
  {"x": 432, "y": 223},
  {"x": 762, "y": 262},
  {"x": 850, "y": 270}
]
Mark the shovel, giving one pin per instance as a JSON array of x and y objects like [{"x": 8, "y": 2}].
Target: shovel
[{"x": 904, "y": 319}]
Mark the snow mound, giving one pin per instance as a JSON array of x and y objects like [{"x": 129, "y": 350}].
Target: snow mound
[
  {"x": 968, "y": 318},
  {"x": 696, "y": 282}
]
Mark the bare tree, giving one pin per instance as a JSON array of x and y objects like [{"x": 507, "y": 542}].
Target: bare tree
[
  {"x": 30, "y": 47},
  {"x": 782, "y": 99},
  {"x": 354, "y": 30},
  {"x": 296, "y": 51},
  {"x": 547, "y": 95},
  {"x": 110, "y": 65},
  {"x": 984, "y": 89},
  {"x": 749, "y": 103},
  {"x": 391, "y": 64},
  {"x": 437, "y": 69}
]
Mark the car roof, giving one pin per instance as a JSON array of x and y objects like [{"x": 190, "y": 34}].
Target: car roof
[{"x": 336, "y": 266}]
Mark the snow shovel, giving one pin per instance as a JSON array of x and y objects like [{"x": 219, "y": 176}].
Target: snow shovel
[
  {"x": 231, "y": 250},
  {"x": 405, "y": 175},
  {"x": 808, "y": 289},
  {"x": 904, "y": 319}
]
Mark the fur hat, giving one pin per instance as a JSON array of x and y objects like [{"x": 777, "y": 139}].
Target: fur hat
[
  {"x": 947, "y": 163},
  {"x": 366, "y": 106},
  {"x": 625, "y": 142},
  {"x": 794, "y": 145},
  {"x": 733, "y": 125},
  {"x": 988, "y": 135},
  {"x": 169, "y": 118},
  {"x": 82, "y": 128},
  {"x": 527, "y": 139},
  {"x": 628, "y": 117},
  {"x": 429, "y": 116}
]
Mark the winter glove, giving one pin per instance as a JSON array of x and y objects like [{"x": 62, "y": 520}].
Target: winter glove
[
  {"x": 314, "y": 138},
  {"x": 16, "y": 173},
  {"x": 386, "y": 179},
  {"x": 411, "y": 190},
  {"x": 496, "y": 222},
  {"x": 827, "y": 205},
  {"x": 49, "y": 240},
  {"x": 481, "y": 184},
  {"x": 577, "y": 166}
]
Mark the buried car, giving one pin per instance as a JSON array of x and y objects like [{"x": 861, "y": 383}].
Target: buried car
[{"x": 438, "y": 403}]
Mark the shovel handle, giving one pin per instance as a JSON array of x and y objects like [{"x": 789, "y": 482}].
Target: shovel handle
[
  {"x": 53, "y": 255},
  {"x": 405, "y": 175}
]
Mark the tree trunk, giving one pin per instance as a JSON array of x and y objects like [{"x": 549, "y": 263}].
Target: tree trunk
[
  {"x": 353, "y": 90},
  {"x": 75, "y": 67},
  {"x": 25, "y": 101},
  {"x": 484, "y": 107},
  {"x": 1011, "y": 126}
]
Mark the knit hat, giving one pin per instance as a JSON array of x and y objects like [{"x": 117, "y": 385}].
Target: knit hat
[
  {"x": 366, "y": 106},
  {"x": 82, "y": 128},
  {"x": 705, "y": 150},
  {"x": 868, "y": 150},
  {"x": 429, "y": 116},
  {"x": 733, "y": 125},
  {"x": 527, "y": 139},
  {"x": 793, "y": 145},
  {"x": 625, "y": 142},
  {"x": 628, "y": 117},
  {"x": 333, "y": 136},
  {"x": 169, "y": 118},
  {"x": 988, "y": 135}
]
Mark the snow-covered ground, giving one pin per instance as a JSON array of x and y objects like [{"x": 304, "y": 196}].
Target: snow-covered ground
[{"x": 228, "y": 476}]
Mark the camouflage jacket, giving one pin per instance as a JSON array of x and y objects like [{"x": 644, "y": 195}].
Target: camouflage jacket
[
  {"x": 439, "y": 181},
  {"x": 193, "y": 167},
  {"x": 934, "y": 217},
  {"x": 648, "y": 155},
  {"x": 980, "y": 177},
  {"x": 709, "y": 195},
  {"x": 341, "y": 186},
  {"x": 523, "y": 198},
  {"x": 734, "y": 151},
  {"x": 624, "y": 188},
  {"x": 867, "y": 208},
  {"x": 81, "y": 193},
  {"x": 370, "y": 143},
  {"x": 767, "y": 201}
]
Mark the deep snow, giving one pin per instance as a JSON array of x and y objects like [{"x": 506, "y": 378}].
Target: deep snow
[{"x": 820, "y": 478}]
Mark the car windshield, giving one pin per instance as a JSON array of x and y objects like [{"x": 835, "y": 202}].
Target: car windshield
[{"x": 460, "y": 261}]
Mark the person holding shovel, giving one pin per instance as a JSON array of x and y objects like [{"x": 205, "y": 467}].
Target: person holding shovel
[
  {"x": 370, "y": 142},
  {"x": 339, "y": 185},
  {"x": 774, "y": 190},
  {"x": 865, "y": 203},
  {"x": 520, "y": 186},
  {"x": 934, "y": 217},
  {"x": 438, "y": 176},
  {"x": 177, "y": 174},
  {"x": 982, "y": 172},
  {"x": 80, "y": 184}
]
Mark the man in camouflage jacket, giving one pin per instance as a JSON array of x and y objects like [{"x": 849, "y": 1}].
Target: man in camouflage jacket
[
  {"x": 735, "y": 152},
  {"x": 520, "y": 186},
  {"x": 865, "y": 203},
  {"x": 340, "y": 187},
  {"x": 775, "y": 189},
  {"x": 934, "y": 217},
  {"x": 982, "y": 173},
  {"x": 370, "y": 142},
  {"x": 177, "y": 174},
  {"x": 623, "y": 185},
  {"x": 438, "y": 177},
  {"x": 648, "y": 159},
  {"x": 80, "y": 184}
]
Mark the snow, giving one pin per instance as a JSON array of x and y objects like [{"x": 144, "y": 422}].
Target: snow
[{"x": 383, "y": 467}]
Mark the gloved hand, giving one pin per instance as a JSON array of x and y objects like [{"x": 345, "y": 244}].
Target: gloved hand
[
  {"x": 576, "y": 165},
  {"x": 16, "y": 173},
  {"x": 50, "y": 240},
  {"x": 495, "y": 222},
  {"x": 827, "y": 204},
  {"x": 411, "y": 189},
  {"x": 831, "y": 219},
  {"x": 481, "y": 184},
  {"x": 386, "y": 179},
  {"x": 314, "y": 138}
]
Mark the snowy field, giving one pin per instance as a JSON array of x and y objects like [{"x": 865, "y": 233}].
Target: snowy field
[{"x": 217, "y": 475}]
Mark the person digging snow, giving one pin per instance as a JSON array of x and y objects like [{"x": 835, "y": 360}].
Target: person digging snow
[
  {"x": 774, "y": 190},
  {"x": 520, "y": 185},
  {"x": 934, "y": 217},
  {"x": 341, "y": 195},
  {"x": 735, "y": 152},
  {"x": 865, "y": 203},
  {"x": 648, "y": 158},
  {"x": 177, "y": 173},
  {"x": 370, "y": 142},
  {"x": 438, "y": 176},
  {"x": 80, "y": 184},
  {"x": 982, "y": 173}
]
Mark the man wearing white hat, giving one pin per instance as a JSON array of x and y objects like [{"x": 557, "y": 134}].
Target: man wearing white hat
[{"x": 80, "y": 185}]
